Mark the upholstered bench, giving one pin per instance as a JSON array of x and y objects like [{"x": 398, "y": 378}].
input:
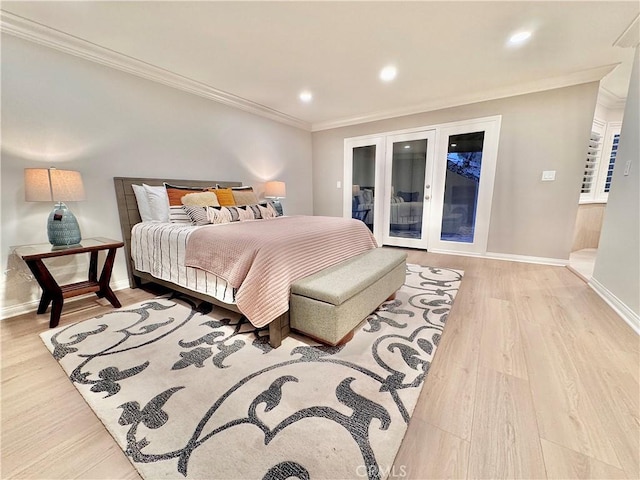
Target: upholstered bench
[{"x": 329, "y": 304}]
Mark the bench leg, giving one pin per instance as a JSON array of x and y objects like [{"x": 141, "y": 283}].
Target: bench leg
[
  {"x": 391, "y": 297},
  {"x": 346, "y": 338}
]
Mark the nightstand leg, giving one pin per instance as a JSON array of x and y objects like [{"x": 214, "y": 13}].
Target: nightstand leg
[
  {"x": 105, "y": 277},
  {"x": 51, "y": 291},
  {"x": 45, "y": 300},
  {"x": 56, "y": 311},
  {"x": 93, "y": 267}
]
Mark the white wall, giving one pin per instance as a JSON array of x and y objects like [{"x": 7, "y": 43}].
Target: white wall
[
  {"x": 541, "y": 131},
  {"x": 59, "y": 110},
  {"x": 617, "y": 268}
]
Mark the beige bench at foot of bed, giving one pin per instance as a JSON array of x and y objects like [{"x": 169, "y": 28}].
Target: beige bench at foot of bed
[{"x": 328, "y": 305}]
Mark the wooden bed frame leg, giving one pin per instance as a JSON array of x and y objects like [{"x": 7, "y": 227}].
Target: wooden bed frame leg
[
  {"x": 275, "y": 334},
  {"x": 279, "y": 330}
]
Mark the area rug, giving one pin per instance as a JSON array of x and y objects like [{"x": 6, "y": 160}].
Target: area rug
[{"x": 192, "y": 391}]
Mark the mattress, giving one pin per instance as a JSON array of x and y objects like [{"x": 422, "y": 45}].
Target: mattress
[{"x": 159, "y": 250}]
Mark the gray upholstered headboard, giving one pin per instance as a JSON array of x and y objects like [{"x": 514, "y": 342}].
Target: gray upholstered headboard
[{"x": 128, "y": 207}]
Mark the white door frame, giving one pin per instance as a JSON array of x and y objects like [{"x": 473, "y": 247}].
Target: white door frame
[
  {"x": 349, "y": 145},
  {"x": 491, "y": 127},
  {"x": 423, "y": 241}
]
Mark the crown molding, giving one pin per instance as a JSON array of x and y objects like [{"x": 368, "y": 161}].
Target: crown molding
[
  {"x": 41, "y": 34},
  {"x": 575, "y": 78},
  {"x": 608, "y": 99},
  {"x": 631, "y": 36}
]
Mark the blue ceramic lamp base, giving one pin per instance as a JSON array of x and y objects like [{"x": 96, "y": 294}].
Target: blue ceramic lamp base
[
  {"x": 62, "y": 227},
  {"x": 278, "y": 206}
]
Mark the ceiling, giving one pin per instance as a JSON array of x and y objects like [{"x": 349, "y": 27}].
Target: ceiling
[{"x": 446, "y": 53}]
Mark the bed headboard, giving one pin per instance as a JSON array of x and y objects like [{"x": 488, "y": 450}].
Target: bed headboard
[{"x": 128, "y": 207}]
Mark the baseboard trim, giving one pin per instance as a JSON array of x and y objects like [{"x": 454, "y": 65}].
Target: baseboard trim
[
  {"x": 22, "y": 308},
  {"x": 559, "y": 262},
  {"x": 628, "y": 315}
]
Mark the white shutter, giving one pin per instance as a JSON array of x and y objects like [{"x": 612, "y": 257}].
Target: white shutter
[
  {"x": 589, "y": 185},
  {"x": 591, "y": 165}
]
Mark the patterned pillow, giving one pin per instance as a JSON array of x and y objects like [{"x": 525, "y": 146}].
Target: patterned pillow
[
  {"x": 218, "y": 215},
  {"x": 246, "y": 213},
  {"x": 210, "y": 214},
  {"x": 197, "y": 214},
  {"x": 272, "y": 209},
  {"x": 265, "y": 212}
]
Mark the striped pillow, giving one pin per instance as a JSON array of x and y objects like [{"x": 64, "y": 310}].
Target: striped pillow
[
  {"x": 177, "y": 214},
  {"x": 197, "y": 215}
]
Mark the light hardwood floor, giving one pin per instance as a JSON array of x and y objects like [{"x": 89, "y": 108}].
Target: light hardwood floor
[{"x": 535, "y": 377}]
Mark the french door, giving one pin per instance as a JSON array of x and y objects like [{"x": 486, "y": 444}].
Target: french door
[
  {"x": 363, "y": 182},
  {"x": 428, "y": 188},
  {"x": 463, "y": 176},
  {"x": 408, "y": 166}
]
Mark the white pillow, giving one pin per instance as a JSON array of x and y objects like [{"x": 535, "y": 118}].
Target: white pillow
[
  {"x": 143, "y": 203},
  {"x": 158, "y": 202}
]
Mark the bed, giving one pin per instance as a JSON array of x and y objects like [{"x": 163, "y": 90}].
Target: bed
[{"x": 172, "y": 270}]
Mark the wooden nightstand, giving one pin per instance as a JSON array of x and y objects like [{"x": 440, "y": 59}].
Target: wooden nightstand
[{"x": 54, "y": 293}]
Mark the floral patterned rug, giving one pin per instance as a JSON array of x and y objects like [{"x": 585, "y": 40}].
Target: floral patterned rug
[{"x": 192, "y": 391}]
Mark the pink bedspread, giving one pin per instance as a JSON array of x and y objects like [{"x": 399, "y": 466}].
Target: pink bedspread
[{"x": 263, "y": 258}]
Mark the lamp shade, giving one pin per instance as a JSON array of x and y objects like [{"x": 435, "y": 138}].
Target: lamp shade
[
  {"x": 52, "y": 185},
  {"x": 275, "y": 190}
]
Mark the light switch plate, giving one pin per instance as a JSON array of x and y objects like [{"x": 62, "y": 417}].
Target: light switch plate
[
  {"x": 627, "y": 168},
  {"x": 548, "y": 175},
  {"x": 338, "y": 184}
]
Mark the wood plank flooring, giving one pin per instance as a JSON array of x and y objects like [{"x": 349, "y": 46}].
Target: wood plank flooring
[{"x": 535, "y": 377}]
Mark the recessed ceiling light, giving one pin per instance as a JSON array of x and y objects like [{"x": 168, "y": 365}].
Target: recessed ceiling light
[
  {"x": 407, "y": 146},
  {"x": 306, "y": 96},
  {"x": 454, "y": 144},
  {"x": 388, "y": 73},
  {"x": 520, "y": 37}
]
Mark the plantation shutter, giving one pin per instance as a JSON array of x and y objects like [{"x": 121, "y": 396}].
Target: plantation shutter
[
  {"x": 591, "y": 165},
  {"x": 612, "y": 161}
]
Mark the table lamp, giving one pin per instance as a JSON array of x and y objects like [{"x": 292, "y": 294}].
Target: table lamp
[
  {"x": 53, "y": 185},
  {"x": 276, "y": 190}
]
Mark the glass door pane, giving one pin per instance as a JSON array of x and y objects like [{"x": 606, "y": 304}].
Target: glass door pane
[
  {"x": 363, "y": 184},
  {"x": 408, "y": 165},
  {"x": 407, "y": 188},
  {"x": 464, "y": 164}
]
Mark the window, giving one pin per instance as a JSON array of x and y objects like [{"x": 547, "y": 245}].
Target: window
[
  {"x": 600, "y": 162},
  {"x": 612, "y": 161},
  {"x": 591, "y": 165}
]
